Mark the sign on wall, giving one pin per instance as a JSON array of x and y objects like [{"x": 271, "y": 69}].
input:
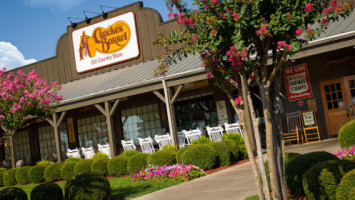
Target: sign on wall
[
  {"x": 71, "y": 133},
  {"x": 222, "y": 111},
  {"x": 104, "y": 43},
  {"x": 297, "y": 82}
]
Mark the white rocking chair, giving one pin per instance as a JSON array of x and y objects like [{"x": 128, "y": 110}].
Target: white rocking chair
[
  {"x": 233, "y": 128},
  {"x": 163, "y": 140},
  {"x": 88, "y": 152},
  {"x": 146, "y": 145},
  {"x": 73, "y": 153},
  {"x": 104, "y": 148},
  {"x": 192, "y": 135},
  {"x": 215, "y": 133},
  {"x": 181, "y": 138},
  {"x": 128, "y": 145}
]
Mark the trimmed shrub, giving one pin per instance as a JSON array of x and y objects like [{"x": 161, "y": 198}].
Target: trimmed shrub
[
  {"x": 47, "y": 191},
  {"x": 290, "y": 156},
  {"x": 99, "y": 166},
  {"x": 67, "y": 170},
  {"x": 180, "y": 152},
  {"x": 2, "y": 171},
  {"x": 346, "y": 134},
  {"x": 52, "y": 172},
  {"x": 129, "y": 153},
  {"x": 88, "y": 186},
  {"x": 36, "y": 173},
  {"x": 297, "y": 167},
  {"x": 13, "y": 193},
  {"x": 233, "y": 148},
  {"x": 202, "y": 140},
  {"x": 346, "y": 188},
  {"x": 200, "y": 155},
  {"x": 321, "y": 181},
  {"x": 21, "y": 175},
  {"x": 44, "y": 163},
  {"x": 162, "y": 157},
  {"x": 117, "y": 166},
  {"x": 100, "y": 155},
  {"x": 137, "y": 162},
  {"x": 223, "y": 153},
  {"x": 72, "y": 160},
  {"x": 238, "y": 139},
  {"x": 83, "y": 166},
  {"x": 170, "y": 147},
  {"x": 9, "y": 177}
]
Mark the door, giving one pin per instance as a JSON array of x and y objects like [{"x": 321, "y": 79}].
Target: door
[{"x": 338, "y": 97}]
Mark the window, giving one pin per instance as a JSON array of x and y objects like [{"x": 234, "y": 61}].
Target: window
[
  {"x": 141, "y": 122},
  {"x": 22, "y": 145},
  {"x": 334, "y": 96},
  {"x": 63, "y": 131},
  {"x": 92, "y": 131}
]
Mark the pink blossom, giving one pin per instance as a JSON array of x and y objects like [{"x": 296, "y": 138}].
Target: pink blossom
[
  {"x": 194, "y": 37},
  {"x": 288, "y": 15},
  {"x": 4, "y": 68},
  {"x": 308, "y": 8},
  {"x": 170, "y": 14},
  {"x": 263, "y": 32},
  {"x": 238, "y": 100},
  {"x": 229, "y": 11},
  {"x": 236, "y": 16},
  {"x": 282, "y": 45},
  {"x": 214, "y": 1},
  {"x": 213, "y": 31},
  {"x": 298, "y": 32},
  {"x": 2, "y": 116}
]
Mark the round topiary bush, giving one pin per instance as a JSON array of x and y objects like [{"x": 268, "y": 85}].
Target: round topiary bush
[
  {"x": 202, "y": 140},
  {"x": 83, "y": 166},
  {"x": 200, "y": 155},
  {"x": 297, "y": 167},
  {"x": 88, "y": 186},
  {"x": 238, "y": 139},
  {"x": 2, "y": 170},
  {"x": 21, "y": 175},
  {"x": 52, "y": 172},
  {"x": 223, "y": 153},
  {"x": 36, "y": 173},
  {"x": 231, "y": 145},
  {"x": 346, "y": 188},
  {"x": 9, "y": 177},
  {"x": 100, "y": 155},
  {"x": 99, "y": 166},
  {"x": 180, "y": 152},
  {"x": 129, "y": 153},
  {"x": 162, "y": 157},
  {"x": 47, "y": 191},
  {"x": 117, "y": 166},
  {"x": 321, "y": 181},
  {"x": 67, "y": 170},
  {"x": 137, "y": 162},
  {"x": 290, "y": 156},
  {"x": 72, "y": 160},
  {"x": 170, "y": 147},
  {"x": 346, "y": 135},
  {"x": 13, "y": 193}
]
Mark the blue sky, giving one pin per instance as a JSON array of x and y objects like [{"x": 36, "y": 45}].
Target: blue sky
[{"x": 30, "y": 29}]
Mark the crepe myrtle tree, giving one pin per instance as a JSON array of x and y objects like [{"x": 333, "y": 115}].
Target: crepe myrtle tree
[
  {"x": 248, "y": 39},
  {"x": 24, "y": 98}
]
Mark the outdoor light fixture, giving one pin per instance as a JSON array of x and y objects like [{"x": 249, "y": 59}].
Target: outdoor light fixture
[
  {"x": 88, "y": 20},
  {"x": 73, "y": 25},
  {"x": 104, "y": 14}
]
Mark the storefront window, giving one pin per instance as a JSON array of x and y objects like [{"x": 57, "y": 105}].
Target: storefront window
[
  {"x": 197, "y": 111},
  {"x": 63, "y": 131},
  {"x": 22, "y": 145},
  {"x": 92, "y": 131},
  {"x": 141, "y": 122}
]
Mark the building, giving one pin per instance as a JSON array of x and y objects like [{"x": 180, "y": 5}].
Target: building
[{"x": 110, "y": 94}]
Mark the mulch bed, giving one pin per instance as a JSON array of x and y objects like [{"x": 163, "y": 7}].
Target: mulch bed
[{"x": 211, "y": 171}]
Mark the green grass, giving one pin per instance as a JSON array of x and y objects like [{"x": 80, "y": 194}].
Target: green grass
[
  {"x": 121, "y": 187},
  {"x": 255, "y": 197}
]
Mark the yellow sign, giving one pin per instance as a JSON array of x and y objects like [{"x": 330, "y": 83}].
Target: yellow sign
[{"x": 71, "y": 133}]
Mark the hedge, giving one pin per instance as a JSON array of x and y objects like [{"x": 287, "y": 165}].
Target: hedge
[
  {"x": 223, "y": 153},
  {"x": 36, "y": 173},
  {"x": 1, "y": 177},
  {"x": 346, "y": 188},
  {"x": 238, "y": 139},
  {"x": 129, "y": 153},
  {"x": 9, "y": 177},
  {"x": 180, "y": 152},
  {"x": 162, "y": 157},
  {"x": 170, "y": 147},
  {"x": 47, "y": 191},
  {"x": 346, "y": 135},
  {"x": 83, "y": 166},
  {"x": 202, "y": 140},
  {"x": 137, "y": 162},
  {"x": 233, "y": 148},
  {"x": 200, "y": 155},
  {"x": 297, "y": 167},
  {"x": 321, "y": 180},
  {"x": 100, "y": 155},
  {"x": 99, "y": 166},
  {"x": 67, "y": 170},
  {"x": 87, "y": 186},
  {"x": 117, "y": 166},
  {"x": 13, "y": 193},
  {"x": 52, "y": 172},
  {"x": 21, "y": 175}
]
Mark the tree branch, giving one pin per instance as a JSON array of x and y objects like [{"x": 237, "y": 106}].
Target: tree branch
[{"x": 276, "y": 69}]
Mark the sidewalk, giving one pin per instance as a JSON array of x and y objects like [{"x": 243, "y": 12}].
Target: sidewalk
[{"x": 235, "y": 183}]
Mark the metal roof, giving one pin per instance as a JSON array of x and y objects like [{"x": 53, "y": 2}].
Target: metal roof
[{"x": 142, "y": 74}]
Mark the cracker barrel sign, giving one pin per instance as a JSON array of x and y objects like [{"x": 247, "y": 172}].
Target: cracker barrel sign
[
  {"x": 297, "y": 82},
  {"x": 105, "y": 43}
]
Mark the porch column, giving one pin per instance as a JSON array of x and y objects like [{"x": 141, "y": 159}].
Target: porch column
[
  {"x": 108, "y": 112},
  {"x": 169, "y": 99},
  {"x": 55, "y": 124}
]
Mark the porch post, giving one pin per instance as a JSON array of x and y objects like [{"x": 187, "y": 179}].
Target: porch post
[{"x": 55, "y": 124}]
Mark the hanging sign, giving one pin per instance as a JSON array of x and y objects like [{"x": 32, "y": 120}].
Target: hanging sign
[
  {"x": 297, "y": 82},
  {"x": 105, "y": 43},
  {"x": 71, "y": 133}
]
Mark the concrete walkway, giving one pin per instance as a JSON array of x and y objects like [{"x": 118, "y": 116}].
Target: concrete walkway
[{"x": 235, "y": 183}]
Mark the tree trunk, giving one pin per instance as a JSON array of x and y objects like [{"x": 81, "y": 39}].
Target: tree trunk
[
  {"x": 247, "y": 141},
  {"x": 257, "y": 137},
  {"x": 12, "y": 151}
]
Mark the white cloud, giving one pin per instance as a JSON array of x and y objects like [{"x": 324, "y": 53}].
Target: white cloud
[
  {"x": 11, "y": 57},
  {"x": 62, "y": 4}
]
